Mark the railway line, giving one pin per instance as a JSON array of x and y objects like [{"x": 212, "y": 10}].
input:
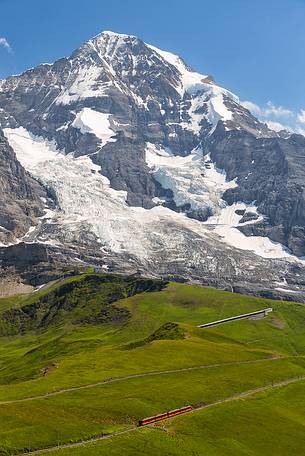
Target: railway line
[
  {"x": 95, "y": 439},
  {"x": 142, "y": 375}
]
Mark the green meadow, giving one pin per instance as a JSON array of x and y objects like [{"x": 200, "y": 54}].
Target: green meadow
[
  {"x": 267, "y": 424},
  {"x": 93, "y": 354}
]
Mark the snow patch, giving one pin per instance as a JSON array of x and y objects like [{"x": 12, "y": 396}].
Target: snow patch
[
  {"x": 86, "y": 83},
  {"x": 30, "y": 150},
  {"x": 193, "y": 179},
  {"x": 286, "y": 290},
  {"x": 226, "y": 224},
  {"x": 97, "y": 123}
]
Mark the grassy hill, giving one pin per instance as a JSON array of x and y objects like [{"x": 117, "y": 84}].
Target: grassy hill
[{"x": 91, "y": 355}]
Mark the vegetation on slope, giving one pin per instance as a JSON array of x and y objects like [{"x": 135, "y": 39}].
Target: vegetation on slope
[
  {"x": 168, "y": 331},
  {"x": 266, "y": 424},
  {"x": 86, "y": 300},
  {"x": 95, "y": 353}
]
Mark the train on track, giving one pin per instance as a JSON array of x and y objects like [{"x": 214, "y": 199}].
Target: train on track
[{"x": 164, "y": 416}]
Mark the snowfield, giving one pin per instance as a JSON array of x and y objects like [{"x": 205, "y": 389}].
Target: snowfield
[
  {"x": 226, "y": 224},
  {"x": 88, "y": 203},
  {"x": 193, "y": 179},
  {"x": 94, "y": 122}
]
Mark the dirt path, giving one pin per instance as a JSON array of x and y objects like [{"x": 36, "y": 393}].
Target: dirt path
[
  {"x": 133, "y": 376},
  {"x": 132, "y": 429}
]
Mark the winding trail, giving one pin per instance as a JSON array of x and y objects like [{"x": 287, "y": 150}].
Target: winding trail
[
  {"x": 145, "y": 374},
  {"x": 134, "y": 428}
]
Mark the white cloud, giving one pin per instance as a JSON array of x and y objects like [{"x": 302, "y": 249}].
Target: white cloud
[
  {"x": 5, "y": 44},
  {"x": 269, "y": 111},
  {"x": 301, "y": 116},
  {"x": 277, "y": 111},
  {"x": 278, "y": 118}
]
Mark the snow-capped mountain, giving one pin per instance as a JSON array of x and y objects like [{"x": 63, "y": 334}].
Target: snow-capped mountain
[{"x": 143, "y": 164}]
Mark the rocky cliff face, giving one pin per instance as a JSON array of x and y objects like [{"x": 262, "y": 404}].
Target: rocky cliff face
[
  {"x": 269, "y": 171},
  {"x": 21, "y": 196},
  {"x": 155, "y": 168}
]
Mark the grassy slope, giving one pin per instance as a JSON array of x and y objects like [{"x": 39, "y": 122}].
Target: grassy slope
[
  {"x": 268, "y": 424},
  {"x": 78, "y": 354}
]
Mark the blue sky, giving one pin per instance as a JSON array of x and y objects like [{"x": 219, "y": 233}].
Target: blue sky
[{"x": 254, "y": 48}]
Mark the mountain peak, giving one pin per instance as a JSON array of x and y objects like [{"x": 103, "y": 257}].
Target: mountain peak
[
  {"x": 119, "y": 35},
  {"x": 150, "y": 166},
  {"x": 110, "y": 35}
]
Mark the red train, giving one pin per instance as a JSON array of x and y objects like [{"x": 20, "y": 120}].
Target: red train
[{"x": 164, "y": 416}]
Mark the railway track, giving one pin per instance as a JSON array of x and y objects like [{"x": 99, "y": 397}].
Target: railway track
[
  {"x": 95, "y": 439},
  {"x": 145, "y": 374}
]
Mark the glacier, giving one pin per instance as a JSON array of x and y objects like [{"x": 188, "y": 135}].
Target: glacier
[{"x": 86, "y": 201}]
